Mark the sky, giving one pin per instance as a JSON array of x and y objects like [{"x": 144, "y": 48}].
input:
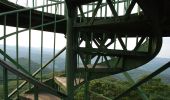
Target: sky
[
  {"x": 48, "y": 38},
  {"x": 165, "y": 50}
]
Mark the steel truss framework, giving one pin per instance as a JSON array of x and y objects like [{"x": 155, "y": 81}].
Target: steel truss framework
[{"x": 98, "y": 34}]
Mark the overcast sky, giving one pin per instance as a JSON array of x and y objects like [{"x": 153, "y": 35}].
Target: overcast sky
[{"x": 165, "y": 50}]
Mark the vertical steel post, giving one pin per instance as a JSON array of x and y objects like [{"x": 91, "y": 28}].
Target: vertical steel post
[
  {"x": 17, "y": 50},
  {"x": 36, "y": 92},
  {"x": 29, "y": 53},
  {"x": 87, "y": 61},
  {"x": 5, "y": 72},
  {"x": 54, "y": 47},
  {"x": 42, "y": 36},
  {"x": 5, "y": 83},
  {"x": 71, "y": 56}
]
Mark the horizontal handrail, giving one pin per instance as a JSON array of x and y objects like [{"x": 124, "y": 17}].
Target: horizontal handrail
[
  {"x": 27, "y": 9},
  {"x": 31, "y": 79},
  {"x": 14, "y": 62},
  {"x": 36, "y": 72},
  {"x": 34, "y": 27}
]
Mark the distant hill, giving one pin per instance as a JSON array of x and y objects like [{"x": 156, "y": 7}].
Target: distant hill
[
  {"x": 60, "y": 62},
  {"x": 36, "y": 55},
  {"x": 149, "y": 68},
  {"x": 24, "y": 63},
  {"x": 155, "y": 64}
]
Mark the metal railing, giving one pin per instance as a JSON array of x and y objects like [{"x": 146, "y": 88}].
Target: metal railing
[
  {"x": 16, "y": 35},
  {"x": 36, "y": 3},
  {"x": 37, "y": 85},
  {"x": 56, "y": 7}
]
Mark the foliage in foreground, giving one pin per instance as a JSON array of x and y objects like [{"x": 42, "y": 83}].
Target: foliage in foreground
[
  {"x": 155, "y": 89},
  {"x": 110, "y": 87}
]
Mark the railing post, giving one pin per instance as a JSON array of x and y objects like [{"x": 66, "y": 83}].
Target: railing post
[
  {"x": 5, "y": 72},
  {"x": 5, "y": 83},
  {"x": 35, "y": 92}
]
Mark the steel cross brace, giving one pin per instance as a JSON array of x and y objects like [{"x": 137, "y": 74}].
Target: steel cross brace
[{"x": 158, "y": 71}]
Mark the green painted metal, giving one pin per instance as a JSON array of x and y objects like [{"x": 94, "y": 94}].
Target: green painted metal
[
  {"x": 37, "y": 72},
  {"x": 112, "y": 8},
  {"x": 5, "y": 36},
  {"x": 158, "y": 71},
  {"x": 33, "y": 27},
  {"x": 121, "y": 60},
  {"x": 95, "y": 11},
  {"x": 29, "y": 52},
  {"x": 60, "y": 86},
  {"x": 81, "y": 11},
  {"x": 88, "y": 11},
  {"x": 54, "y": 43},
  {"x": 42, "y": 36},
  {"x": 5, "y": 72},
  {"x": 71, "y": 60},
  {"x": 32, "y": 80},
  {"x": 5, "y": 83},
  {"x": 130, "y": 7},
  {"x": 27, "y": 9},
  {"x": 35, "y": 92},
  {"x": 16, "y": 33},
  {"x": 17, "y": 50},
  {"x": 14, "y": 62},
  {"x": 139, "y": 90}
]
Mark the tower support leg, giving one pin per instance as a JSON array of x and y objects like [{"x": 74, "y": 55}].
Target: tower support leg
[{"x": 71, "y": 55}]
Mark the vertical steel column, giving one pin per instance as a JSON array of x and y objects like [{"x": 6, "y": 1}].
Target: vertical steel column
[
  {"x": 54, "y": 41},
  {"x": 5, "y": 83},
  {"x": 42, "y": 36},
  {"x": 89, "y": 46},
  {"x": 87, "y": 61},
  {"x": 17, "y": 50},
  {"x": 35, "y": 92},
  {"x": 29, "y": 53},
  {"x": 71, "y": 56},
  {"x": 5, "y": 72}
]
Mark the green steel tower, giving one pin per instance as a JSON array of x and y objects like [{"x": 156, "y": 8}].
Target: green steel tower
[{"x": 103, "y": 38}]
